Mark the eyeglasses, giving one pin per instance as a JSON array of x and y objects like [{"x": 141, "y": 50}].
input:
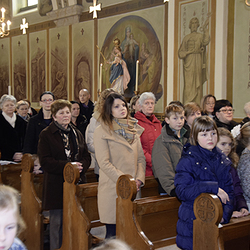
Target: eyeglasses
[
  {"x": 47, "y": 100},
  {"x": 224, "y": 111}
]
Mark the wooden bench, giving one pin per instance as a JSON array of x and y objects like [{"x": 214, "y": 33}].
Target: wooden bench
[
  {"x": 31, "y": 205},
  {"x": 76, "y": 224},
  {"x": 90, "y": 175},
  {"x": 150, "y": 188},
  {"x": 11, "y": 175},
  {"x": 146, "y": 223},
  {"x": 209, "y": 234}
]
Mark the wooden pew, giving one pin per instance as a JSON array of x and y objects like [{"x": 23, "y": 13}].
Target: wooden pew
[
  {"x": 31, "y": 205},
  {"x": 208, "y": 234},
  {"x": 146, "y": 223},
  {"x": 90, "y": 175},
  {"x": 150, "y": 188},
  {"x": 76, "y": 224},
  {"x": 11, "y": 175}
]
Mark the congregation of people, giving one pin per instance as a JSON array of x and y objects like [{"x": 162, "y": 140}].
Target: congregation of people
[{"x": 198, "y": 148}]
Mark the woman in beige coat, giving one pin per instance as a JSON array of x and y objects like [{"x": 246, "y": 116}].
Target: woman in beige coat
[{"x": 118, "y": 151}]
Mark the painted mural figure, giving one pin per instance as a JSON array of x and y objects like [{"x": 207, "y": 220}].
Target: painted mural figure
[
  {"x": 193, "y": 53},
  {"x": 119, "y": 77},
  {"x": 130, "y": 52}
]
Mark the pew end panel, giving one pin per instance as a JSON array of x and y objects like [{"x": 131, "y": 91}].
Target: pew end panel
[
  {"x": 31, "y": 206},
  {"x": 73, "y": 214},
  {"x": 127, "y": 227},
  {"x": 209, "y": 234}
]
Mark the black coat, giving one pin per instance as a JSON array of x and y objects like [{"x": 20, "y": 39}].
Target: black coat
[
  {"x": 81, "y": 124},
  {"x": 11, "y": 139},
  {"x": 228, "y": 126},
  {"x": 35, "y": 126},
  {"x": 87, "y": 111},
  {"x": 52, "y": 158}
]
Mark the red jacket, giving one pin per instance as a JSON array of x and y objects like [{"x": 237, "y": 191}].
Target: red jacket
[{"x": 152, "y": 131}]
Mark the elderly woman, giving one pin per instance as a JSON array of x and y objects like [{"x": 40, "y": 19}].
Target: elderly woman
[
  {"x": 12, "y": 130},
  {"x": 22, "y": 108},
  {"x": 77, "y": 119},
  {"x": 152, "y": 127},
  {"x": 59, "y": 143}
]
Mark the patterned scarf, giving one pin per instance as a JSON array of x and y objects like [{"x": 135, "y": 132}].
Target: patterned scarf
[
  {"x": 125, "y": 128},
  {"x": 68, "y": 135}
]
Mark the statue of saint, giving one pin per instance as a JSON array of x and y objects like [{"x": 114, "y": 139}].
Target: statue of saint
[{"x": 193, "y": 53}]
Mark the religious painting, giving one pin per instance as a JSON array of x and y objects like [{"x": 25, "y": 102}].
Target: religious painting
[
  {"x": 82, "y": 52},
  {"x": 4, "y": 65},
  {"x": 19, "y": 68},
  {"x": 59, "y": 44},
  {"x": 194, "y": 49},
  {"x": 140, "y": 40},
  {"x": 37, "y": 43},
  {"x": 238, "y": 56}
]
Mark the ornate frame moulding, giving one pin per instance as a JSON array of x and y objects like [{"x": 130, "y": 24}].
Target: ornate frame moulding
[{"x": 66, "y": 15}]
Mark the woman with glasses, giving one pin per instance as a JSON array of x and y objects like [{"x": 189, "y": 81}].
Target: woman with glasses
[
  {"x": 223, "y": 111},
  {"x": 207, "y": 105},
  {"x": 38, "y": 122}
]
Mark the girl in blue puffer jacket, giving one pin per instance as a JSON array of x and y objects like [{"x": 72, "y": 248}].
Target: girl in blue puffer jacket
[{"x": 202, "y": 169}]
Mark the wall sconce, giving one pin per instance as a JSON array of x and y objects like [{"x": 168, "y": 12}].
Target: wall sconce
[{"x": 5, "y": 27}]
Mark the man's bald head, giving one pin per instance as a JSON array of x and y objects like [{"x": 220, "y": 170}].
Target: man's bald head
[{"x": 84, "y": 96}]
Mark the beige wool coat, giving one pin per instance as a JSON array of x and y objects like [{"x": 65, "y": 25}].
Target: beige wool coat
[{"x": 115, "y": 157}]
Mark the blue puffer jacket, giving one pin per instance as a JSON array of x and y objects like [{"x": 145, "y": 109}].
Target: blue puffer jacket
[{"x": 200, "y": 171}]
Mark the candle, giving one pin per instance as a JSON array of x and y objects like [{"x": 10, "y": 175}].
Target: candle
[
  {"x": 9, "y": 90},
  {"x": 3, "y": 27},
  {"x": 100, "y": 80},
  {"x": 8, "y": 24},
  {"x": 137, "y": 75},
  {"x": 3, "y": 12}
]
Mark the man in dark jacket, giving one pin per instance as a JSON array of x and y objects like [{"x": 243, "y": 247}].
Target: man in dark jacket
[
  {"x": 86, "y": 105},
  {"x": 38, "y": 122}
]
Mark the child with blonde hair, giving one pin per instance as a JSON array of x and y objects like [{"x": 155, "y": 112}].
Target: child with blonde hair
[{"x": 11, "y": 223}]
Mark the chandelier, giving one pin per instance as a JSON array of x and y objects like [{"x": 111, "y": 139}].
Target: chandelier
[{"x": 5, "y": 27}]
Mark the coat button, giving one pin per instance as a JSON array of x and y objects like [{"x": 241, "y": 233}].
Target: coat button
[
  {"x": 189, "y": 153},
  {"x": 205, "y": 167},
  {"x": 197, "y": 163}
]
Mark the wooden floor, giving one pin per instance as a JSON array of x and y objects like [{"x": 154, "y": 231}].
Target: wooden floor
[{"x": 100, "y": 232}]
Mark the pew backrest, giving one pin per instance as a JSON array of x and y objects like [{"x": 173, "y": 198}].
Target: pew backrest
[
  {"x": 76, "y": 224},
  {"x": 209, "y": 234},
  {"x": 31, "y": 205},
  {"x": 145, "y": 223},
  {"x": 11, "y": 175}
]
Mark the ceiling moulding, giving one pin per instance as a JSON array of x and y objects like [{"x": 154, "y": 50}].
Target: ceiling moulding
[{"x": 65, "y": 15}]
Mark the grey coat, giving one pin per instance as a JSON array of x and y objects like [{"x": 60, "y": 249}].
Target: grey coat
[{"x": 166, "y": 154}]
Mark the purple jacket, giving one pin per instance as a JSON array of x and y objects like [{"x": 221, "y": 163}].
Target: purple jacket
[{"x": 239, "y": 200}]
